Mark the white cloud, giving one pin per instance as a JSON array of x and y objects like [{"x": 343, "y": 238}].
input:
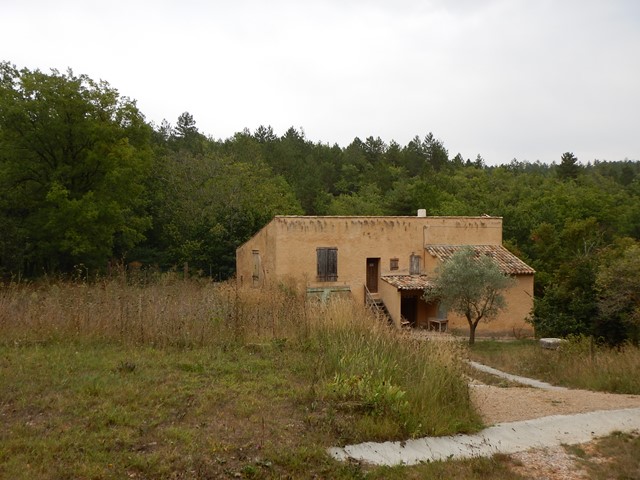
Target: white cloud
[{"x": 503, "y": 78}]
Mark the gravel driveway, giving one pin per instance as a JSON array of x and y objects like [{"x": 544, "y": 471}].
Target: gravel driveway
[
  {"x": 508, "y": 404},
  {"x": 502, "y": 405}
]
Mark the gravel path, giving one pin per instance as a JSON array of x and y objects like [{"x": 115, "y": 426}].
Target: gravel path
[{"x": 498, "y": 404}]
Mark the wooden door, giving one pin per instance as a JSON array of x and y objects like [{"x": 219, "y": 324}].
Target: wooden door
[{"x": 373, "y": 265}]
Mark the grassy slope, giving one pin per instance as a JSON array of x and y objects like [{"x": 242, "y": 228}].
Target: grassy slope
[
  {"x": 192, "y": 380},
  {"x": 578, "y": 364},
  {"x": 82, "y": 410},
  {"x": 185, "y": 380},
  {"x": 86, "y": 410}
]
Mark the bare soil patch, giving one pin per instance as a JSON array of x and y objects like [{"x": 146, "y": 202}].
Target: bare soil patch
[
  {"x": 499, "y": 404},
  {"x": 547, "y": 464}
]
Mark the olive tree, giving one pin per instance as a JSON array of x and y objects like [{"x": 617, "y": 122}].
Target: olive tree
[{"x": 471, "y": 285}]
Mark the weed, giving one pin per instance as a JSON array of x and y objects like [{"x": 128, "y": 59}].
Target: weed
[{"x": 126, "y": 366}]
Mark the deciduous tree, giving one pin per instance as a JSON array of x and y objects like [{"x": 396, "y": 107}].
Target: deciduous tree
[
  {"x": 618, "y": 286},
  {"x": 73, "y": 154}
]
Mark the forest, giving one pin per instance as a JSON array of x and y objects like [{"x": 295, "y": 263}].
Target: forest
[{"x": 87, "y": 183}]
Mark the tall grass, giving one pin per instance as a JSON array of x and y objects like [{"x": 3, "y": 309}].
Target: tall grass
[
  {"x": 170, "y": 312},
  {"x": 579, "y": 363},
  {"x": 366, "y": 379},
  {"x": 417, "y": 386}
]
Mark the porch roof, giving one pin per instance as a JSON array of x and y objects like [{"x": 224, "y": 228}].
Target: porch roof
[
  {"x": 507, "y": 261},
  {"x": 408, "y": 282}
]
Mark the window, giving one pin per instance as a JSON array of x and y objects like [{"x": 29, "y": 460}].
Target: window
[
  {"x": 393, "y": 264},
  {"x": 414, "y": 265},
  {"x": 327, "y": 264},
  {"x": 256, "y": 267}
]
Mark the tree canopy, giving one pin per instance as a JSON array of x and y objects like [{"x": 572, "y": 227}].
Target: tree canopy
[{"x": 73, "y": 156}]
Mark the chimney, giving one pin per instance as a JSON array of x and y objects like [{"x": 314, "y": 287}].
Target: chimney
[{"x": 422, "y": 212}]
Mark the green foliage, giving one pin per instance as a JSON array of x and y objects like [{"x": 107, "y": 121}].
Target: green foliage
[
  {"x": 73, "y": 155},
  {"x": 84, "y": 179},
  {"x": 470, "y": 285},
  {"x": 568, "y": 167},
  {"x": 375, "y": 396},
  {"x": 618, "y": 287},
  {"x": 205, "y": 206},
  {"x": 368, "y": 201}
]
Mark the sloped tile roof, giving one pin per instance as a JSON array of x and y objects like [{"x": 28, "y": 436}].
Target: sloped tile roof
[
  {"x": 408, "y": 282},
  {"x": 507, "y": 261}
]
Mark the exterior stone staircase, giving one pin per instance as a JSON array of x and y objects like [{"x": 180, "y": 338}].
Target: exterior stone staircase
[{"x": 377, "y": 306}]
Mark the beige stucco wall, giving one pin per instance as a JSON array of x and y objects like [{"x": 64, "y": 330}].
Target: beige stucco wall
[
  {"x": 463, "y": 231},
  {"x": 357, "y": 238},
  {"x": 263, "y": 243},
  {"x": 511, "y": 321},
  {"x": 287, "y": 249},
  {"x": 391, "y": 298}
]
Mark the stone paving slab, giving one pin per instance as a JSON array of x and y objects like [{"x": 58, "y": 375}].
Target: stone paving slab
[
  {"x": 505, "y": 438},
  {"x": 515, "y": 378}
]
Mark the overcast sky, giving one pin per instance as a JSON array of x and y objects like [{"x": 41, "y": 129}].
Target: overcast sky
[{"x": 525, "y": 79}]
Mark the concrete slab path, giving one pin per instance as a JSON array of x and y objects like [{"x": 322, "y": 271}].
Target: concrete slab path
[
  {"x": 508, "y": 437},
  {"x": 515, "y": 378}
]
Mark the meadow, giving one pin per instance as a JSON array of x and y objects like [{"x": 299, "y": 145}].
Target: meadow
[
  {"x": 172, "y": 378},
  {"x": 192, "y": 379}
]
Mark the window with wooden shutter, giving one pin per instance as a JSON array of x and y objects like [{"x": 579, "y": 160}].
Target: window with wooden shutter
[
  {"x": 327, "y": 264},
  {"x": 414, "y": 265}
]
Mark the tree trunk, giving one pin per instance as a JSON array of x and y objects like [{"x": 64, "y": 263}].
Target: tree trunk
[{"x": 472, "y": 332}]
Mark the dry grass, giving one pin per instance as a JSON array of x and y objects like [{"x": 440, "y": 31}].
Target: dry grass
[
  {"x": 580, "y": 363},
  {"x": 111, "y": 379},
  {"x": 171, "y": 312},
  {"x": 614, "y": 456}
]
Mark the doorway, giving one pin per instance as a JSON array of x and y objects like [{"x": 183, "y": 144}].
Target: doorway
[
  {"x": 373, "y": 268},
  {"x": 409, "y": 310}
]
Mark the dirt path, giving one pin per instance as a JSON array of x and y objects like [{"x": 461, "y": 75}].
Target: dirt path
[
  {"x": 508, "y": 404},
  {"x": 499, "y": 404}
]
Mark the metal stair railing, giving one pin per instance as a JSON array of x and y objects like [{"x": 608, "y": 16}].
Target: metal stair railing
[{"x": 377, "y": 306}]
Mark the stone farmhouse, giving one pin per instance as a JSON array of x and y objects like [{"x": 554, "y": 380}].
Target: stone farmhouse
[{"x": 384, "y": 262}]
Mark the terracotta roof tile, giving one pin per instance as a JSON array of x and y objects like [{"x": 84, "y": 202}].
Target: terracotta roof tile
[
  {"x": 408, "y": 282},
  {"x": 507, "y": 261}
]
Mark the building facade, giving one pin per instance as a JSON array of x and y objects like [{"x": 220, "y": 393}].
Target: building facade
[{"x": 383, "y": 261}]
